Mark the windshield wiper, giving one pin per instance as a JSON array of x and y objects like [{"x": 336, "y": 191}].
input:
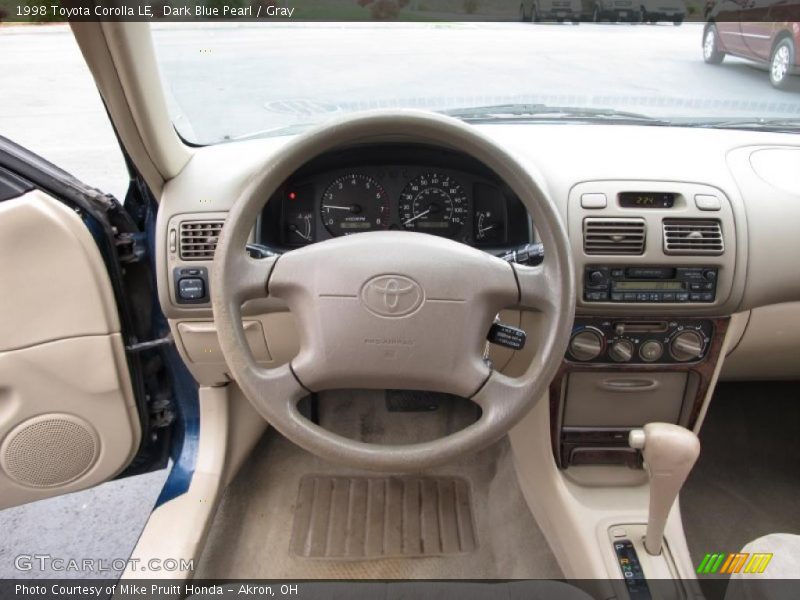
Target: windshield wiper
[
  {"x": 543, "y": 112},
  {"x": 777, "y": 125}
]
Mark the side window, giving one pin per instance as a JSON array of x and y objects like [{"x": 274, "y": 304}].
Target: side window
[{"x": 67, "y": 124}]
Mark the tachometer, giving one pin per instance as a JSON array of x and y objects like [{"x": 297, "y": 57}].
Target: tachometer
[
  {"x": 354, "y": 203},
  {"x": 433, "y": 203}
]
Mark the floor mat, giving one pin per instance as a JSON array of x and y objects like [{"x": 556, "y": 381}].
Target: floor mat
[
  {"x": 747, "y": 479},
  {"x": 382, "y": 517},
  {"x": 251, "y": 536}
]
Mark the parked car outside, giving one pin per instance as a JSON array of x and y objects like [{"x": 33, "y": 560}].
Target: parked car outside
[
  {"x": 652, "y": 11},
  {"x": 557, "y": 10},
  {"x": 551, "y": 10},
  {"x": 612, "y": 10},
  {"x": 754, "y": 31}
]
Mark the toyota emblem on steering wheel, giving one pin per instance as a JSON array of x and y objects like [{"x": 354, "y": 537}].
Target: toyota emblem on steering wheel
[{"x": 392, "y": 295}]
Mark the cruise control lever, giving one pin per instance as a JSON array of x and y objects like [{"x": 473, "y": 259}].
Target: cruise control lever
[
  {"x": 529, "y": 254},
  {"x": 506, "y": 336}
]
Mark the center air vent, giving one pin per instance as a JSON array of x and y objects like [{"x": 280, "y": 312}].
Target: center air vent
[
  {"x": 613, "y": 236},
  {"x": 701, "y": 237},
  {"x": 199, "y": 239}
]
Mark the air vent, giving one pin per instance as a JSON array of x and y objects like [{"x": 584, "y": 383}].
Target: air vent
[
  {"x": 702, "y": 237},
  {"x": 613, "y": 236},
  {"x": 199, "y": 239}
]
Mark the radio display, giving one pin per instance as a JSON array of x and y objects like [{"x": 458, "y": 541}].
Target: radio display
[
  {"x": 646, "y": 199},
  {"x": 649, "y": 286}
]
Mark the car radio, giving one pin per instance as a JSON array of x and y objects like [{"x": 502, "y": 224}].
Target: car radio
[{"x": 604, "y": 283}]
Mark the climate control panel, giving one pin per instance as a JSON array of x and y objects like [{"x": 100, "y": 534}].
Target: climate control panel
[{"x": 631, "y": 341}]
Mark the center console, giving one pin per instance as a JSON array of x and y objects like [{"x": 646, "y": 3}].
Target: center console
[
  {"x": 620, "y": 373},
  {"x": 656, "y": 261}
]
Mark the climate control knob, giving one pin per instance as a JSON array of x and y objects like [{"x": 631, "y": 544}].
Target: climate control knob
[
  {"x": 586, "y": 345},
  {"x": 651, "y": 350},
  {"x": 621, "y": 351},
  {"x": 687, "y": 345}
]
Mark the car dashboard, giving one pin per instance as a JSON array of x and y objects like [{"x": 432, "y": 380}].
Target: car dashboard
[
  {"x": 682, "y": 242},
  {"x": 406, "y": 188}
]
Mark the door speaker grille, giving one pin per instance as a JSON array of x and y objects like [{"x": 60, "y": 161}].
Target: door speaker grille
[{"x": 49, "y": 451}]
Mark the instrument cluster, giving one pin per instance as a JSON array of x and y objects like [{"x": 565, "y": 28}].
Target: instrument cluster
[{"x": 448, "y": 196}]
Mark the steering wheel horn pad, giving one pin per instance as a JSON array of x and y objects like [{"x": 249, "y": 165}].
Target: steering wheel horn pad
[
  {"x": 392, "y": 309},
  {"x": 367, "y": 305}
]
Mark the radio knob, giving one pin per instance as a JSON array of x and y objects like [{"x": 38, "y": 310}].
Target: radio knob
[
  {"x": 687, "y": 345},
  {"x": 651, "y": 351},
  {"x": 621, "y": 351},
  {"x": 596, "y": 277},
  {"x": 586, "y": 345}
]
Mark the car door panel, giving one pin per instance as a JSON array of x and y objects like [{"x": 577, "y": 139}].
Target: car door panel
[
  {"x": 727, "y": 16},
  {"x": 68, "y": 417},
  {"x": 757, "y": 28}
]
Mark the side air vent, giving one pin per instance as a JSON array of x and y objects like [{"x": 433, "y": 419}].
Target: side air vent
[
  {"x": 701, "y": 237},
  {"x": 199, "y": 239},
  {"x": 613, "y": 236}
]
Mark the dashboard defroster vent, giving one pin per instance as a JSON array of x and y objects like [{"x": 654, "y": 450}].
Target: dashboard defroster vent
[
  {"x": 608, "y": 235},
  {"x": 198, "y": 239},
  {"x": 701, "y": 237}
]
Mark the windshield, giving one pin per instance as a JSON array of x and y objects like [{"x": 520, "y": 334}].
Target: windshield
[{"x": 228, "y": 81}]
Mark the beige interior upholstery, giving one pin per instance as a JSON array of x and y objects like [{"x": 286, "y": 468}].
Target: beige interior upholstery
[
  {"x": 768, "y": 346},
  {"x": 67, "y": 414},
  {"x": 784, "y": 566}
]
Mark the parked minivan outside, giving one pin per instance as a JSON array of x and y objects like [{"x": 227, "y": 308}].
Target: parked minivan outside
[{"x": 754, "y": 33}]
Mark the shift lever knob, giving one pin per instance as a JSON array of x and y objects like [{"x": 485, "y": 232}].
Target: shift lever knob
[{"x": 669, "y": 452}]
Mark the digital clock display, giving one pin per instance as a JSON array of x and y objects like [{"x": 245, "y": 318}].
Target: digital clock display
[{"x": 646, "y": 199}]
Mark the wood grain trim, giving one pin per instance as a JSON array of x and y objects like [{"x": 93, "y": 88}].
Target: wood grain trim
[{"x": 703, "y": 369}]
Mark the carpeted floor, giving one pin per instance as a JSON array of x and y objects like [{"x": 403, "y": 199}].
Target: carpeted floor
[
  {"x": 746, "y": 483},
  {"x": 251, "y": 535}
]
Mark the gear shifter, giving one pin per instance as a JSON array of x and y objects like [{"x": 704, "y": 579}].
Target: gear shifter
[{"x": 669, "y": 452}]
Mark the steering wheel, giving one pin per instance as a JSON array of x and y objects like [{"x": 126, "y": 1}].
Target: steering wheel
[{"x": 392, "y": 309}]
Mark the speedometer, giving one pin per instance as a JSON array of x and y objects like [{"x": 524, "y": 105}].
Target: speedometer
[
  {"x": 354, "y": 203},
  {"x": 433, "y": 203}
]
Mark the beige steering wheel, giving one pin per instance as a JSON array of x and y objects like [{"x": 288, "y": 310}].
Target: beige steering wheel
[{"x": 393, "y": 309}]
